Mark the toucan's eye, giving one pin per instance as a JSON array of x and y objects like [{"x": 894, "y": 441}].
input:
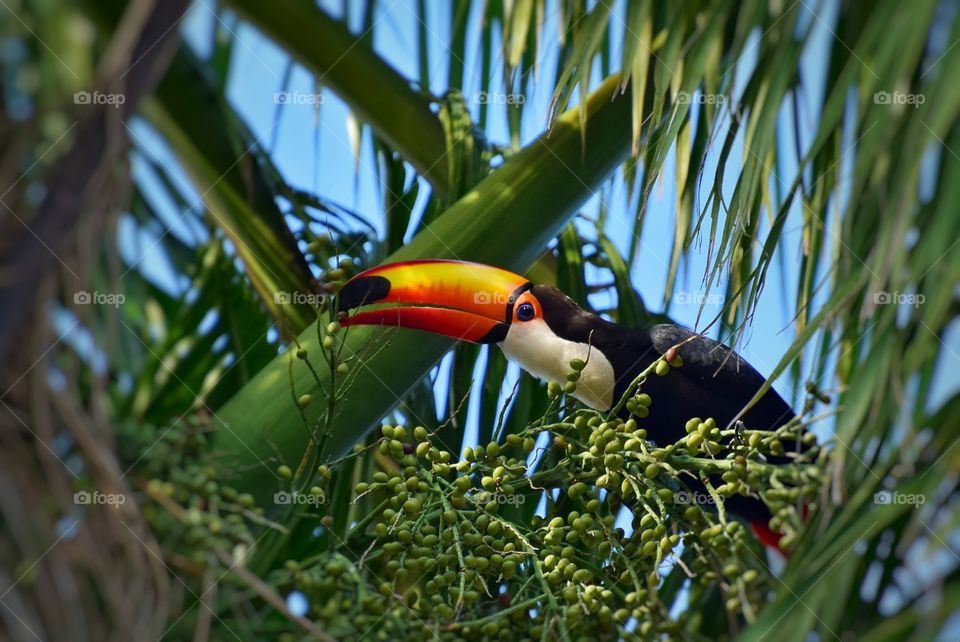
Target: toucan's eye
[{"x": 525, "y": 312}]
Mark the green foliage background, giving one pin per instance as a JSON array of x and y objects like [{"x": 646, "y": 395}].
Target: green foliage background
[{"x": 193, "y": 406}]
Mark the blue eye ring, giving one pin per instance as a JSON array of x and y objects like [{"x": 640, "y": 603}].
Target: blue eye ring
[{"x": 525, "y": 312}]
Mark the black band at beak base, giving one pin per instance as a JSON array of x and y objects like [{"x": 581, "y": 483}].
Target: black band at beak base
[
  {"x": 497, "y": 334},
  {"x": 363, "y": 290}
]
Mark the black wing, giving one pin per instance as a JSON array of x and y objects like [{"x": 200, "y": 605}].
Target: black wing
[{"x": 721, "y": 372}]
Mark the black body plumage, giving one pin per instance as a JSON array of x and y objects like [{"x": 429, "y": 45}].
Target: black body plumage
[{"x": 713, "y": 381}]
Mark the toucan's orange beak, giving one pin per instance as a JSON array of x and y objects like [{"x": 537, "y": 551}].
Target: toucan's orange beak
[{"x": 467, "y": 301}]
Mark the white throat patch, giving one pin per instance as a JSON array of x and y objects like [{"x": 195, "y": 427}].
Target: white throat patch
[{"x": 536, "y": 349}]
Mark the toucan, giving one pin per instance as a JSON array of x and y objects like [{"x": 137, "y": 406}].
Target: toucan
[{"x": 542, "y": 329}]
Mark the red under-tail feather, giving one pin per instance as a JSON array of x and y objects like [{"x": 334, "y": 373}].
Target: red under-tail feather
[{"x": 767, "y": 536}]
